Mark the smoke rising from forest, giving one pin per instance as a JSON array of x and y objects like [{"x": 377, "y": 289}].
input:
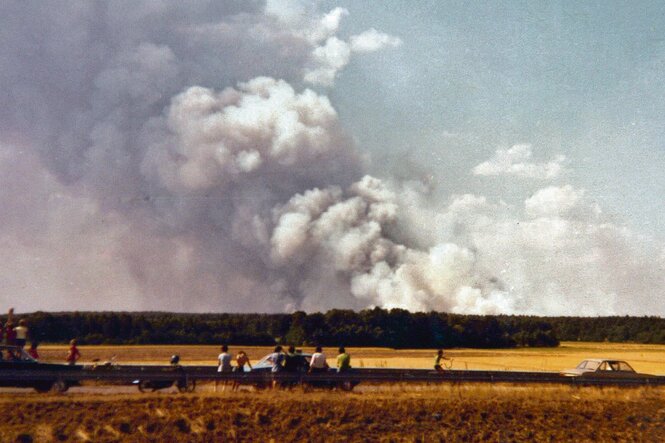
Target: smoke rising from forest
[{"x": 156, "y": 156}]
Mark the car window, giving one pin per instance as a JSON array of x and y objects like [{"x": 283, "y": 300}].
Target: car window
[
  {"x": 623, "y": 366},
  {"x": 581, "y": 365},
  {"x": 593, "y": 365},
  {"x": 603, "y": 366}
]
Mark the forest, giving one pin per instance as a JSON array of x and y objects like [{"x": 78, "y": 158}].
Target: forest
[{"x": 395, "y": 328}]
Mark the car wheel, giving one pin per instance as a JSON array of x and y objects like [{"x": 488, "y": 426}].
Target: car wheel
[
  {"x": 144, "y": 385},
  {"x": 186, "y": 385},
  {"x": 346, "y": 386},
  {"x": 43, "y": 387},
  {"x": 59, "y": 386}
]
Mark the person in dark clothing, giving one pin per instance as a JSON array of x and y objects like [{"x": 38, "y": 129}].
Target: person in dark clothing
[{"x": 291, "y": 360}]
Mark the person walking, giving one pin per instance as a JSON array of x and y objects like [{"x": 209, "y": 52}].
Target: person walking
[
  {"x": 343, "y": 360},
  {"x": 73, "y": 354}
]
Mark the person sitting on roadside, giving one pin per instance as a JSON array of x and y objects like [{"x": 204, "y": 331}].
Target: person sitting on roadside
[
  {"x": 318, "y": 361},
  {"x": 21, "y": 332},
  {"x": 32, "y": 352},
  {"x": 343, "y": 360},
  {"x": 73, "y": 354},
  {"x": 437, "y": 360}
]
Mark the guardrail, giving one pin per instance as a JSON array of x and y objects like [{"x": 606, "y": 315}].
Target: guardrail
[{"x": 127, "y": 374}]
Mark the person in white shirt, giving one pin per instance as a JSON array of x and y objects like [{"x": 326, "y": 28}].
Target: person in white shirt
[
  {"x": 21, "y": 333},
  {"x": 318, "y": 361},
  {"x": 224, "y": 360}
]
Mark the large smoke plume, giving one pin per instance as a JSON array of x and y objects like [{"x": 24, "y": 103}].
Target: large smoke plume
[{"x": 178, "y": 156}]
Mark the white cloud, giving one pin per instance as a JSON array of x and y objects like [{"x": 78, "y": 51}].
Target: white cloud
[
  {"x": 329, "y": 58},
  {"x": 517, "y": 161},
  {"x": 373, "y": 40}
]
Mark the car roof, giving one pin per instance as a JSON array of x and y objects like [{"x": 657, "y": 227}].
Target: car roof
[{"x": 600, "y": 360}]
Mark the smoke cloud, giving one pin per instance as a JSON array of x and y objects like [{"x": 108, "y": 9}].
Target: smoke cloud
[{"x": 155, "y": 156}]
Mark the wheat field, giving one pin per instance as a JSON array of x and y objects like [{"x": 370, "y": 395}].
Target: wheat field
[{"x": 644, "y": 358}]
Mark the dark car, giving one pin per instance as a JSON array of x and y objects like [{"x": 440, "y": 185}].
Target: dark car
[
  {"x": 603, "y": 368},
  {"x": 18, "y": 369},
  {"x": 300, "y": 367}
]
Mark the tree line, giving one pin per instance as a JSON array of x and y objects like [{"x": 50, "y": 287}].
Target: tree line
[{"x": 395, "y": 328}]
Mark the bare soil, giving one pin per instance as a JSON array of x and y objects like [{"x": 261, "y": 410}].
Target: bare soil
[{"x": 402, "y": 413}]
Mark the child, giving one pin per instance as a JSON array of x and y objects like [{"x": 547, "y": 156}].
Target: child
[
  {"x": 73, "y": 355},
  {"x": 32, "y": 352}
]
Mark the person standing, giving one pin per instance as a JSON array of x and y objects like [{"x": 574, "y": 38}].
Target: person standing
[
  {"x": 224, "y": 360},
  {"x": 73, "y": 354},
  {"x": 21, "y": 332},
  {"x": 276, "y": 359},
  {"x": 291, "y": 363},
  {"x": 241, "y": 360},
  {"x": 343, "y": 360},
  {"x": 224, "y": 364},
  {"x": 318, "y": 361},
  {"x": 32, "y": 352}
]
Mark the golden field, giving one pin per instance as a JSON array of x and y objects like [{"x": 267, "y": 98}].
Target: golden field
[
  {"x": 399, "y": 413},
  {"x": 644, "y": 358},
  {"x": 375, "y": 413}
]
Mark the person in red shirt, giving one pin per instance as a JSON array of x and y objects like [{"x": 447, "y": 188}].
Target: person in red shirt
[
  {"x": 73, "y": 355},
  {"x": 10, "y": 334},
  {"x": 32, "y": 352}
]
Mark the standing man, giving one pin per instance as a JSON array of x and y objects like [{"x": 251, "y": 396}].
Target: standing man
[
  {"x": 224, "y": 360},
  {"x": 21, "y": 332},
  {"x": 276, "y": 359},
  {"x": 343, "y": 360}
]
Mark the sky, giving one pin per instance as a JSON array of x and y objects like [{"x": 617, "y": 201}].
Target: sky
[{"x": 249, "y": 156}]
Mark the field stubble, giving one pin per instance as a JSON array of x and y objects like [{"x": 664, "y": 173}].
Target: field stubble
[{"x": 399, "y": 413}]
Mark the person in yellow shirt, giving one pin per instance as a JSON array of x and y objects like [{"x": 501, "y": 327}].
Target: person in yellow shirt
[{"x": 343, "y": 360}]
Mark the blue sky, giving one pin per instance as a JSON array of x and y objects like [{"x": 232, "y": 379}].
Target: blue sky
[{"x": 579, "y": 79}]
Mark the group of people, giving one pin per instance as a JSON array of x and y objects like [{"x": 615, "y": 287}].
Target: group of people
[
  {"x": 12, "y": 334},
  {"x": 17, "y": 335},
  {"x": 290, "y": 361}
]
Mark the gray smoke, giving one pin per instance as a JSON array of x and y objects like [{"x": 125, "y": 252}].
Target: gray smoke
[{"x": 173, "y": 156}]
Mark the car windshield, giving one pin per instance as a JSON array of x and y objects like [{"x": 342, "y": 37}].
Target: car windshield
[{"x": 589, "y": 365}]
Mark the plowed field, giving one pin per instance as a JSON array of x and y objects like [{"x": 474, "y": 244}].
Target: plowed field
[{"x": 400, "y": 413}]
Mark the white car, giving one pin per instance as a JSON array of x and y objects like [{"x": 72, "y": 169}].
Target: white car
[{"x": 599, "y": 367}]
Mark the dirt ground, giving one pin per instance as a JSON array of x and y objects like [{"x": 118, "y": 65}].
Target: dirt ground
[{"x": 400, "y": 413}]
